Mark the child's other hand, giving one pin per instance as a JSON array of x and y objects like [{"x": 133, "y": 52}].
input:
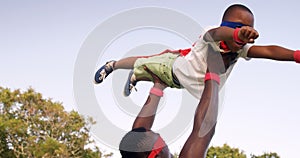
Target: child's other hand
[{"x": 248, "y": 34}]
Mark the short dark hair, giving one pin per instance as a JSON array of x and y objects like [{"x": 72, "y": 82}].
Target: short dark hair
[
  {"x": 138, "y": 143},
  {"x": 233, "y": 7}
]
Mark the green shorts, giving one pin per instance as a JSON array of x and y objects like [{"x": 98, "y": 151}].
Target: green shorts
[{"x": 161, "y": 65}]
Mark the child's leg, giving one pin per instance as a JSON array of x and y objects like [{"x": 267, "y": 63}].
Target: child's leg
[
  {"x": 160, "y": 65},
  {"x": 110, "y": 66},
  {"x": 125, "y": 63},
  {"x": 128, "y": 63}
]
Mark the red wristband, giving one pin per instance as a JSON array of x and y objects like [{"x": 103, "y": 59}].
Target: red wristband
[
  {"x": 297, "y": 56},
  {"x": 236, "y": 37},
  {"x": 157, "y": 92},
  {"x": 212, "y": 76}
]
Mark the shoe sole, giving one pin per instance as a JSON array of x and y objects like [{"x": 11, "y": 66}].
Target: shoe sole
[{"x": 127, "y": 85}]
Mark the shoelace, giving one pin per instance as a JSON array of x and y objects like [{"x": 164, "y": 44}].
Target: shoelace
[
  {"x": 132, "y": 87},
  {"x": 102, "y": 75},
  {"x": 103, "y": 72}
]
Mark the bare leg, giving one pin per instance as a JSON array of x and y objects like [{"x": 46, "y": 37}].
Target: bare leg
[
  {"x": 125, "y": 63},
  {"x": 109, "y": 67}
]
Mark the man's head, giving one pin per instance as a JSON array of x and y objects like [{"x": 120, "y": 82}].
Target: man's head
[
  {"x": 140, "y": 143},
  {"x": 237, "y": 15}
]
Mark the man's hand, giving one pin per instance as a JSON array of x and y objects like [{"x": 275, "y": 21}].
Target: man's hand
[
  {"x": 247, "y": 34},
  {"x": 158, "y": 83}
]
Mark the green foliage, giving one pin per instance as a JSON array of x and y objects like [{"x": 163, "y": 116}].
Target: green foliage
[
  {"x": 267, "y": 155},
  {"x": 225, "y": 152},
  {"x": 31, "y": 126},
  {"x": 228, "y": 152}
]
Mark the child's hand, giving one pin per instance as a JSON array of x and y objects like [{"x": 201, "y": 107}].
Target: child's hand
[{"x": 248, "y": 34}]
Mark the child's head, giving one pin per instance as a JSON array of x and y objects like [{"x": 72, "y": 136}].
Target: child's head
[{"x": 237, "y": 15}]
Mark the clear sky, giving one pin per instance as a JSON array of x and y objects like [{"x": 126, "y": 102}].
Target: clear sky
[{"x": 40, "y": 41}]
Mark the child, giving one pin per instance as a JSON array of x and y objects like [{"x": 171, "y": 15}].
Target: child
[{"x": 187, "y": 68}]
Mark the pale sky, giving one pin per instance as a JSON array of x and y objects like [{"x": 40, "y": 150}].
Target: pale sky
[{"x": 40, "y": 41}]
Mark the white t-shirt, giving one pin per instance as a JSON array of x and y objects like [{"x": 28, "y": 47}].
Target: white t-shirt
[{"x": 190, "y": 69}]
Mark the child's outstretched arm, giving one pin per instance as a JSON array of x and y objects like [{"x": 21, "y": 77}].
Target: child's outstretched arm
[
  {"x": 246, "y": 34},
  {"x": 273, "y": 52}
]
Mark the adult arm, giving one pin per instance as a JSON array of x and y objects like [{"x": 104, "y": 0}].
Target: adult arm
[
  {"x": 147, "y": 114},
  {"x": 198, "y": 141},
  {"x": 206, "y": 113}
]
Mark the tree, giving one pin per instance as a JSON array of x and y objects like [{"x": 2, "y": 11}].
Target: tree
[
  {"x": 267, "y": 155},
  {"x": 228, "y": 152},
  {"x": 31, "y": 126},
  {"x": 225, "y": 152}
]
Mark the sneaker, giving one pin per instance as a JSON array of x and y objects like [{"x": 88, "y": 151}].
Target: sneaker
[
  {"x": 104, "y": 71},
  {"x": 130, "y": 84}
]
